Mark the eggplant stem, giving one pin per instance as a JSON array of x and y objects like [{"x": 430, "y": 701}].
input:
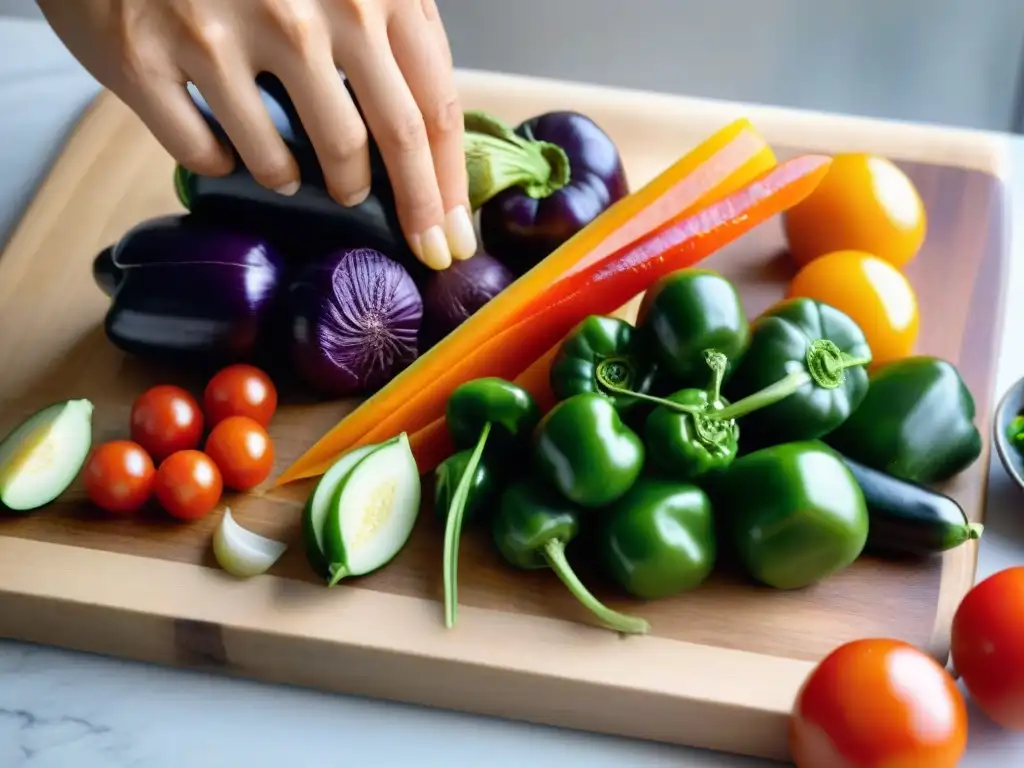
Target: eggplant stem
[{"x": 453, "y": 530}]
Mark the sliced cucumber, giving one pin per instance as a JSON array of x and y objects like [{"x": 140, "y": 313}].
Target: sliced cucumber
[
  {"x": 44, "y": 454},
  {"x": 373, "y": 511},
  {"x": 315, "y": 511}
]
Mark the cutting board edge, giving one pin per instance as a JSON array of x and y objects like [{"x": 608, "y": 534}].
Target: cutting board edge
[{"x": 529, "y": 668}]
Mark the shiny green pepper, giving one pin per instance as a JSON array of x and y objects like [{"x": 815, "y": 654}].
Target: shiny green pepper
[
  {"x": 600, "y": 355},
  {"x": 585, "y": 451},
  {"x": 685, "y": 444},
  {"x": 687, "y": 312},
  {"x": 478, "y": 411},
  {"x": 531, "y": 529},
  {"x": 916, "y": 422},
  {"x": 794, "y": 512},
  {"x": 802, "y": 375},
  {"x": 658, "y": 539},
  {"x": 483, "y": 487}
]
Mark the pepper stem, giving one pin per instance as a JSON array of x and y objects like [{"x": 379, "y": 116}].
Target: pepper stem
[
  {"x": 826, "y": 367},
  {"x": 453, "y": 530},
  {"x": 717, "y": 362},
  {"x": 338, "y": 572},
  {"x": 614, "y": 372},
  {"x": 554, "y": 553},
  {"x": 497, "y": 158}
]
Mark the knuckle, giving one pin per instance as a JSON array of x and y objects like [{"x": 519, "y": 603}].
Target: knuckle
[
  {"x": 139, "y": 63},
  {"x": 295, "y": 23},
  {"x": 406, "y": 133},
  {"x": 272, "y": 172},
  {"x": 357, "y": 12},
  {"x": 346, "y": 145},
  {"x": 444, "y": 119}
]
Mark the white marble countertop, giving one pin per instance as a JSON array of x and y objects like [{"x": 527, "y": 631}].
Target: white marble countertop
[{"x": 69, "y": 710}]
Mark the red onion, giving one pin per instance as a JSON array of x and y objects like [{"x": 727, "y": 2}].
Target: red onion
[
  {"x": 354, "y": 319},
  {"x": 453, "y": 294}
]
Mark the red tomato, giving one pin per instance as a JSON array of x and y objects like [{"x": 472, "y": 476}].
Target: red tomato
[
  {"x": 878, "y": 704},
  {"x": 119, "y": 477},
  {"x": 188, "y": 484},
  {"x": 240, "y": 390},
  {"x": 166, "y": 419},
  {"x": 242, "y": 450},
  {"x": 988, "y": 646}
]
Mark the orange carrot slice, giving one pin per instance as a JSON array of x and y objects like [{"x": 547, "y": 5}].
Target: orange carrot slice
[
  {"x": 727, "y": 160},
  {"x": 609, "y": 284}
]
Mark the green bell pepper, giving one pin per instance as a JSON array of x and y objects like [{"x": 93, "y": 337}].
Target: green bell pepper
[
  {"x": 687, "y": 312},
  {"x": 478, "y": 411},
  {"x": 531, "y": 529},
  {"x": 802, "y": 375},
  {"x": 585, "y": 451},
  {"x": 794, "y": 512},
  {"x": 600, "y": 355},
  {"x": 483, "y": 487},
  {"x": 658, "y": 539},
  {"x": 685, "y": 444},
  {"x": 916, "y": 422}
]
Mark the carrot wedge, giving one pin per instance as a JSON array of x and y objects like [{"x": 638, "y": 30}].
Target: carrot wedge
[
  {"x": 607, "y": 285},
  {"x": 721, "y": 164}
]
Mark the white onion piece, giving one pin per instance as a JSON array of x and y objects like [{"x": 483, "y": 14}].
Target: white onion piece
[{"x": 241, "y": 552}]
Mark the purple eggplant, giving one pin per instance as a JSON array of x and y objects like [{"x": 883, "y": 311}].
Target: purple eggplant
[
  {"x": 540, "y": 184},
  {"x": 187, "y": 292}
]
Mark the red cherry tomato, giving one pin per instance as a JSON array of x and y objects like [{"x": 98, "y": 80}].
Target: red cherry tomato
[
  {"x": 119, "y": 477},
  {"x": 240, "y": 390},
  {"x": 878, "y": 704},
  {"x": 988, "y": 646},
  {"x": 188, "y": 484},
  {"x": 242, "y": 450},
  {"x": 166, "y": 419}
]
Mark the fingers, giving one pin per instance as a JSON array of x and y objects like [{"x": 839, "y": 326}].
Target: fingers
[{"x": 422, "y": 54}]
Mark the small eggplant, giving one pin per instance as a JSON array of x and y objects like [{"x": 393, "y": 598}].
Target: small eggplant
[
  {"x": 540, "y": 184},
  {"x": 310, "y": 221},
  {"x": 187, "y": 292}
]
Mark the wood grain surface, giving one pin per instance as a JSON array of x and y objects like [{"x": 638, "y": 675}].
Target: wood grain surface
[{"x": 113, "y": 174}]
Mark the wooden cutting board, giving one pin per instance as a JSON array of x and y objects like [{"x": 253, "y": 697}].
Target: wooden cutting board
[{"x": 722, "y": 664}]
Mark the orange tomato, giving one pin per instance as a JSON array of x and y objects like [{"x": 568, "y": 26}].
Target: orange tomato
[
  {"x": 240, "y": 390},
  {"x": 864, "y": 203},
  {"x": 988, "y": 646},
  {"x": 243, "y": 452},
  {"x": 119, "y": 477},
  {"x": 876, "y": 295},
  {"x": 188, "y": 485},
  {"x": 878, "y": 704}
]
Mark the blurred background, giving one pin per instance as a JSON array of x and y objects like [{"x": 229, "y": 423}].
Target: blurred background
[{"x": 957, "y": 62}]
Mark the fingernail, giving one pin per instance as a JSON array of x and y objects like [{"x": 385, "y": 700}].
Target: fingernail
[
  {"x": 288, "y": 189},
  {"x": 357, "y": 198},
  {"x": 432, "y": 249},
  {"x": 459, "y": 230}
]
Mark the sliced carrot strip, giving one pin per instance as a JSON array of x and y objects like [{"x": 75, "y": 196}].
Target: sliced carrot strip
[
  {"x": 610, "y": 283},
  {"x": 431, "y": 445},
  {"x": 735, "y": 154}
]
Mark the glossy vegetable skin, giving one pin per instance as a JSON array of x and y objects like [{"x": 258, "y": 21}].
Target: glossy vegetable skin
[
  {"x": 556, "y": 173},
  {"x": 910, "y": 519},
  {"x": 601, "y": 355},
  {"x": 988, "y": 646},
  {"x": 192, "y": 293},
  {"x": 454, "y": 294},
  {"x": 188, "y": 485},
  {"x": 686, "y": 313},
  {"x": 119, "y": 476},
  {"x": 719, "y": 166},
  {"x": 878, "y": 703},
  {"x": 601, "y": 289},
  {"x": 794, "y": 512},
  {"x": 353, "y": 320},
  {"x": 240, "y": 390},
  {"x": 871, "y": 292},
  {"x": 165, "y": 419},
  {"x": 916, "y": 422},
  {"x": 483, "y": 486},
  {"x": 659, "y": 539},
  {"x": 242, "y": 451},
  {"x": 812, "y": 358},
  {"x": 531, "y": 530},
  {"x": 865, "y": 203}
]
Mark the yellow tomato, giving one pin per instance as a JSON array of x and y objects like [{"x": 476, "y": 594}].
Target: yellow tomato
[
  {"x": 876, "y": 295},
  {"x": 864, "y": 203}
]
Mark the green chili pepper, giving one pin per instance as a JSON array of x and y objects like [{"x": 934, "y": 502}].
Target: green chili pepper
[
  {"x": 482, "y": 488},
  {"x": 916, "y": 422},
  {"x": 585, "y": 451},
  {"x": 802, "y": 375},
  {"x": 479, "y": 411},
  {"x": 659, "y": 539},
  {"x": 687, "y": 312},
  {"x": 685, "y": 445},
  {"x": 531, "y": 529},
  {"x": 601, "y": 351},
  {"x": 1015, "y": 433},
  {"x": 794, "y": 512}
]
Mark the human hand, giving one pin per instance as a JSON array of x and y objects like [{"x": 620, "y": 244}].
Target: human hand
[{"x": 394, "y": 52}]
